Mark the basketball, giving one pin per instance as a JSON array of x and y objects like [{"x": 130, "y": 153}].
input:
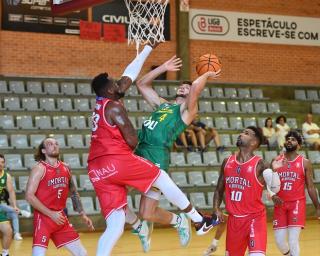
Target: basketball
[{"x": 208, "y": 62}]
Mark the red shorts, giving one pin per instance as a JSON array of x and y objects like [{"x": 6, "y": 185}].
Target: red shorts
[
  {"x": 246, "y": 232},
  {"x": 46, "y": 229},
  {"x": 290, "y": 214},
  {"x": 111, "y": 174}
]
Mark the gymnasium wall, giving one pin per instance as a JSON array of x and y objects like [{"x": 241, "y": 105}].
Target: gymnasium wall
[
  {"x": 262, "y": 63},
  {"x": 35, "y": 54}
]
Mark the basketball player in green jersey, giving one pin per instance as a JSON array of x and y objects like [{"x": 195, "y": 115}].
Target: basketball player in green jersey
[{"x": 156, "y": 138}]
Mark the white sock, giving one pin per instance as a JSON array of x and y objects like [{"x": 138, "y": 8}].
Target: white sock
[
  {"x": 294, "y": 234},
  {"x": 280, "y": 236},
  {"x": 132, "y": 218},
  {"x": 175, "y": 219},
  {"x": 171, "y": 191},
  {"x": 136, "y": 224},
  {"x": 215, "y": 242},
  {"x": 194, "y": 215},
  {"x": 115, "y": 225},
  {"x": 5, "y": 252}
]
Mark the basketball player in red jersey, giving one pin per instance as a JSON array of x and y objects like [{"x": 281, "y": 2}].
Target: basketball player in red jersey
[
  {"x": 48, "y": 186},
  {"x": 112, "y": 165},
  {"x": 242, "y": 179},
  {"x": 295, "y": 172}
]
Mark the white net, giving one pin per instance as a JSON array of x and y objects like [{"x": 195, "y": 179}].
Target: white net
[{"x": 146, "y": 21}]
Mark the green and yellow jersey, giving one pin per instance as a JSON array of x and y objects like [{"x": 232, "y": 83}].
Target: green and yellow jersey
[{"x": 158, "y": 134}]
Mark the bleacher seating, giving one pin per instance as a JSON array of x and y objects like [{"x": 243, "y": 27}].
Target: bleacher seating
[{"x": 33, "y": 109}]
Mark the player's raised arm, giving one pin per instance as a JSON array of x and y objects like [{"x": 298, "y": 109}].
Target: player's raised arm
[
  {"x": 310, "y": 186},
  {"x": 218, "y": 193},
  {"x": 36, "y": 175},
  {"x": 77, "y": 204},
  {"x": 132, "y": 71},
  {"x": 117, "y": 115},
  {"x": 145, "y": 83},
  {"x": 191, "y": 105}
]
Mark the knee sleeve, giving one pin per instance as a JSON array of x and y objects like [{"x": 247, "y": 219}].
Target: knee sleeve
[
  {"x": 115, "y": 226},
  {"x": 281, "y": 240},
  {"x": 171, "y": 191},
  {"x": 38, "y": 251},
  {"x": 294, "y": 234},
  {"x": 76, "y": 248}
]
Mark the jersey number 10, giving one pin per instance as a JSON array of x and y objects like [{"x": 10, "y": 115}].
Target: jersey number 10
[{"x": 236, "y": 196}]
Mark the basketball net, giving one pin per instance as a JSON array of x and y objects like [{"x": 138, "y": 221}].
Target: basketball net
[{"x": 146, "y": 21}]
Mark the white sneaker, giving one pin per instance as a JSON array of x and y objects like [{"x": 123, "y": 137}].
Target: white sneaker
[
  {"x": 144, "y": 233},
  {"x": 184, "y": 230},
  {"x": 17, "y": 237},
  {"x": 25, "y": 214},
  {"x": 211, "y": 249}
]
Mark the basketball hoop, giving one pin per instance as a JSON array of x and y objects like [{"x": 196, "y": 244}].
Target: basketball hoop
[{"x": 146, "y": 21}]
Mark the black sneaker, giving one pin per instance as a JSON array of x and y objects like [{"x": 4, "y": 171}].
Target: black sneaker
[{"x": 208, "y": 222}]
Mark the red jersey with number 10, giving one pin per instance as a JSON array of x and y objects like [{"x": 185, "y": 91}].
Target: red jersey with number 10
[
  {"x": 292, "y": 179},
  {"x": 242, "y": 188},
  {"x": 106, "y": 139},
  {"x": 53, "y": 188}
]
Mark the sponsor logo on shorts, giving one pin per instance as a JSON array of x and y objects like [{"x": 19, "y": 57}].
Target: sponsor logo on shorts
[
  {"x": 102, "y": 173},
  {"x": 252, "y": 228},
  {"x": 251, "y": 243}
]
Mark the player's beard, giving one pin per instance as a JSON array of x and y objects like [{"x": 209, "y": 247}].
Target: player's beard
[
  {"x": 120, "y": 94},
  {"x": 290, "y": 149},
  {"x": 54, "y": 155},
  {"x": 239, "y": 142}
]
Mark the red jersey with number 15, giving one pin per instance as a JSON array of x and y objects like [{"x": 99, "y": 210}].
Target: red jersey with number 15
[
  {"x": 292, "y": 179},
  {"x": 106, "y": 139},
  {"x": 53, "y": 187},
  {"x": 242, "y": 188}
]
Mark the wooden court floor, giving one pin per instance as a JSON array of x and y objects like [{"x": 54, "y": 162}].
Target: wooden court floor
[{"x": 165, "y": 242}]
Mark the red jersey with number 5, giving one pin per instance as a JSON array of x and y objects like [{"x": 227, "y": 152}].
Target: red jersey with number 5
[
  {"x": 292, "y": 179},
  {"x": 242, "y": 188},
  {"x": 53, "y": 187},
  {"x": 106, "y": 139}
]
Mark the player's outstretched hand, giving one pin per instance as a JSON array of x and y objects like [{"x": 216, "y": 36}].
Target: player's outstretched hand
[
  {"x": 58, "y": 217},
  {"x": 88, "y": 221},
  {"x": 212, "y": 74},
  {"x": 173, "y": 64},
  {"x": 277, "y": 200},
  {"x": 220, "y": 215}
]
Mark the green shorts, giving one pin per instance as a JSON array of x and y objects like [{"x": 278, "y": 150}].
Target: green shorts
[
  {"x": 157, "y": 155},
  {"x": 3, "y": 217}
]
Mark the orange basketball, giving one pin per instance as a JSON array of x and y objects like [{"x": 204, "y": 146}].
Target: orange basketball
[{"x": 208, "y": 62}]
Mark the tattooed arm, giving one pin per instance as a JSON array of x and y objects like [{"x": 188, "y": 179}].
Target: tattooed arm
[{"x": 77, "y": 205}]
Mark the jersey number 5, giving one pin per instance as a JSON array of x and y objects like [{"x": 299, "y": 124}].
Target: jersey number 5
[{"x": 59, "y": 193}]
